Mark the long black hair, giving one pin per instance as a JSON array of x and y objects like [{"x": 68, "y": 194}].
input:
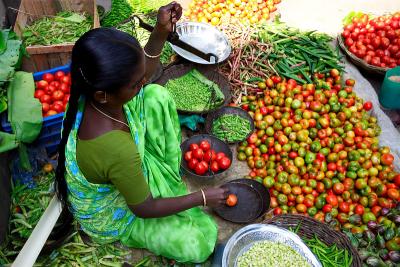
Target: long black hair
[{"x": 103, "y": 59}]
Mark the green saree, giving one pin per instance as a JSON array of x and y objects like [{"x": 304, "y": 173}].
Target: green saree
[{"x": 188, "y": 236}]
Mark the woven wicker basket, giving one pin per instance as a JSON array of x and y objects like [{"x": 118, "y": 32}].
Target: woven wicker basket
[
  {"x": 360, "y": 62},
  {"x": 310, "y": 227}
]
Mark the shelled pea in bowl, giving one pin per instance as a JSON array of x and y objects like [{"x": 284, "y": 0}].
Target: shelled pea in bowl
[{"x": 230, "y": 124}]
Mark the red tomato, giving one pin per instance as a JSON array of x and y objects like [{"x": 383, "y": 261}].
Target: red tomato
[
  {"x": 367, "y": 105},
  {"x": 393, "y": 193},
  {"x": 224, "y": 163},
  {"x": 344, "y": 207},
  {"x": 64, "y": 88},
  {"x": 387, "y": 159},
  {"x": 39, "y": 93},
  {"x": 277, "y": 211},
  {"x": 59, "y": 74},
  {"x": 45, "y": 99},
  {"x": 332, "y": 199},
  {"x": 205, "y": 145},
  {"x": 209, "y": 156},
  {"x": 198, "y": 154},
  {"x": 219, "y": 156},
  {"x": 359, "y": 209},
  {"x": 327, "y": 208},
  {"x": 42, "y": 84},
  {"x": 200, "y": 169},
  {"x": 58, "y": 95},
  {"x": 45, "y": 107},
  {"x": 338, "y": 188},
  {"x": 188, "y": 155},
  {"x": 66, "y": 98},
  {"x": 192, "y": 163},
  {"x": 214, "y": 166},
  {"x": 66, "y": 79},
  {"x": 57, "y": 107},
  {"x": 193, "y": 147},
  {"x": 50, "y": 89},
  {"x": 396, "y": 180},
  {"x": 48, "y": 77},
  {"x": 56, "y": 84}
]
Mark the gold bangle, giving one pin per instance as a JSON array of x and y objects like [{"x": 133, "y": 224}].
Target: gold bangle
[
  {"x": 204, "y": 198},
  {"x": 150, "y": 56}
]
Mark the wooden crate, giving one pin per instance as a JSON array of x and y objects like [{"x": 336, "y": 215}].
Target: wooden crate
[{"x": 47, "y": 57}]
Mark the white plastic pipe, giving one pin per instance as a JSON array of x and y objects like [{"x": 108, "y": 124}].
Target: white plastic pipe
[{"x": 29, "y": 253}]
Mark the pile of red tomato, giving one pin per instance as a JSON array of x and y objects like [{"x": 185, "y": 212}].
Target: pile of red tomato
[
  {"x": 201, "y": 159},
  {"x": 376, "y": 41},
  {"x": 316, "y": 149},
  {"x": 247, "y": 11},
  {"x": 53, "y": 92}
]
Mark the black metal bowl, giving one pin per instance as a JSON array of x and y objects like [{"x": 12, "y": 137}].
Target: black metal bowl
[
  {"x": 253, "y": 201},
  {"x": 216, "y": 144},
  {"x": 211, "y": 117}
]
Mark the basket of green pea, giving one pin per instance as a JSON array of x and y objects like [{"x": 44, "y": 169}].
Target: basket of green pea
[{"x": 230, "y": 124}]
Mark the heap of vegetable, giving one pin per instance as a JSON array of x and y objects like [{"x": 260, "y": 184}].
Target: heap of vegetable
[
  {"x": 267, "y": 253},
  {"x": 203, "y": 160},
  {"x": 65, "y": 27},
  {"x": 275, "y": 49},
  {"x": 316, "y": 149},
  {"x": 53, "y": 92},
  {"x": 193, "y": 92},
  {"x": 231, "y": 128},
  {"x": 381, "y": 240},
  {"x": 217, "y": 11},
  {"x": 375, "y": 40},
  {"x": 120, "y": 10},
  {"x": 28, "y": 206}
]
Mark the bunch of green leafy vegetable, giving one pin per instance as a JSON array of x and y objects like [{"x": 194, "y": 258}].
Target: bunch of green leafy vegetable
[
  {"x": 147, "y": 6},
  {"x": 65, "y": 27},
  {"x": 11, "y": 53},
  {"x": 120, "y": 10}
]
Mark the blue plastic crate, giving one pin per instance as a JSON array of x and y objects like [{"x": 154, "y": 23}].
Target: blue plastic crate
[{"x": 50, "y": 135}]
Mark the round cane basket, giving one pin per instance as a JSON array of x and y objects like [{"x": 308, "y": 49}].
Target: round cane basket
[
  {"x": 360, "y": 62},
  {"x": 310, "y": 227}
]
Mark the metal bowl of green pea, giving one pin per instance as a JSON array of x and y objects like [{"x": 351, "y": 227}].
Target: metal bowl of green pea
[
  {"x": 230, "y": 124},
  {"x": 260, "y": 244}
]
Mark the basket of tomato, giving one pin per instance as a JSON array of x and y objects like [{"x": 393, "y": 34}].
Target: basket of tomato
[
  {"x": 52, "y": 88},
  {"x": 372, "y": 43},
  {"x": 205, "y": 156}
]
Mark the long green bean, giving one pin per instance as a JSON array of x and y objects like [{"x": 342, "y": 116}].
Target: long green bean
[
  {"x": 63, "y": 28},
  {"x": 231, "y": 128}
]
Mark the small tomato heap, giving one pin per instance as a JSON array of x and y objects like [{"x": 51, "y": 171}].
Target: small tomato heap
[
  {"x": 376, "y": 41},
  {"x": 53, "y": 92},
  {"x": 202, "y": 159},
  {"x": 316, "y": 149},
  {"x": 247, "y": 11}
]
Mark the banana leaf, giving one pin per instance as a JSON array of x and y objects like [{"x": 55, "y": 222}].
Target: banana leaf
[{"x": 25, "y": 111}]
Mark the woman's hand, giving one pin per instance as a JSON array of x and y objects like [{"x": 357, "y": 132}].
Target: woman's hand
[
  {"x": 172, "y": 11},
  {"x": 215, "y": 196}
]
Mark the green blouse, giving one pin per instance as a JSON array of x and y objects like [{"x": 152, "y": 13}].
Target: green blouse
[{"x": 113, "y": 158}]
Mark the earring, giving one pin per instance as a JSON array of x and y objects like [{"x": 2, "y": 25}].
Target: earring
[{"x": 104, "y": 99}]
